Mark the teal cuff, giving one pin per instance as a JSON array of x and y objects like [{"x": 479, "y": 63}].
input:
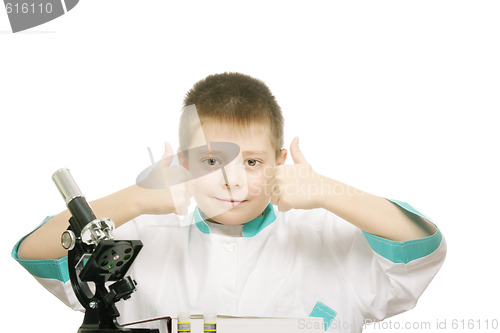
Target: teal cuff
[
  {"x": 404, "y": 252},
  {"x": 46, "y": 268}
]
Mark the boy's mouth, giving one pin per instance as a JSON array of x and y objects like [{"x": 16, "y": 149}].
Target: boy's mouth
[{"x": 231, "y": 203}]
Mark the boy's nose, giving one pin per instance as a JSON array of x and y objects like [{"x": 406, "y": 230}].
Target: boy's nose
[{"x": 233, "y": 176}]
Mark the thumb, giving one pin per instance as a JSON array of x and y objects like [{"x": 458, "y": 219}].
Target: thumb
[
  {"x": 168, "y": 155},
  {"x": 297, "y": 156}
]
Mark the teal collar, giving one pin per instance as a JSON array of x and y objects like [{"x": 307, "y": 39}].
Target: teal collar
[{"x": 250, "y": 229}]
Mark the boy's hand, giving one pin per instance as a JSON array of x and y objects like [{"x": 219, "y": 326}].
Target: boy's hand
[
  {"x": 295, "y": 186},
  {"x": 167, "y": 189}
]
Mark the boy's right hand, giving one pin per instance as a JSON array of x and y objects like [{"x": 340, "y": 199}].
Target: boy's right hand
[{"x": 165, "y": 189}]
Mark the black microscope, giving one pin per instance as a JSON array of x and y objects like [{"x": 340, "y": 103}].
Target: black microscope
[{"x": 94, "y": 256}]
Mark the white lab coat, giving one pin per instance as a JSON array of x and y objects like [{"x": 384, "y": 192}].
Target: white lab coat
[{"x": 300, "y": 259}]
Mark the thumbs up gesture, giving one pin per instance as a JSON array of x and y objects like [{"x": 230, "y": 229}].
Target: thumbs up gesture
[
  {"x": 163, "y": 188},
  {"x": 295, "y": 186}
]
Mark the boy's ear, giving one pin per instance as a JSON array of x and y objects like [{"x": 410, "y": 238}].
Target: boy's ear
[{"x": 282, "y": 158}]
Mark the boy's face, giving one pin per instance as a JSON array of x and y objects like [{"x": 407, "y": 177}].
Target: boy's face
[{"x": 236, "y": 189}]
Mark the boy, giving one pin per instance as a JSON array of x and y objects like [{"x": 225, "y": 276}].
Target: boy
[{"x": 324, "y": 249}]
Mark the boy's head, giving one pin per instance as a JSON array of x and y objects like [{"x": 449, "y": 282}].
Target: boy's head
[
  {"x": 237, "y": 99},
  {"x": 232, "y": 110}
]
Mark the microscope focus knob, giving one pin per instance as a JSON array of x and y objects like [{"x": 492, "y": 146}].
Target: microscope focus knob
[{"x": 68, "y": 240}]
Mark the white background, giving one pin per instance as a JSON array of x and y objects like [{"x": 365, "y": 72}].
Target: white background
[{"x": 397, "y": 98}]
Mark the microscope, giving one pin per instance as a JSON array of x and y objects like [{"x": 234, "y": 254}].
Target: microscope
[{"x": 95, "y": 257}]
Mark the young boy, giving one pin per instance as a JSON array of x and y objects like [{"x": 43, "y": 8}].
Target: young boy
[{"x": 266, "y": 239}]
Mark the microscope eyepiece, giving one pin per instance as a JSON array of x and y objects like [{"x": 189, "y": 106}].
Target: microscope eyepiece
[
  {"x": 75, "y": 201},
  {"x": 66, "y": 185}
]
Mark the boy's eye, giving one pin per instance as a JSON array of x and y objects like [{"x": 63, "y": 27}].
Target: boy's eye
[
  {"x": 252, "y": 163},
  {"x": 211, "y": 161}
]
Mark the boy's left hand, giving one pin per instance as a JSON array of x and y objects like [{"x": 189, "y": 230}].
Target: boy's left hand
[{"x": 295, "y": 186}]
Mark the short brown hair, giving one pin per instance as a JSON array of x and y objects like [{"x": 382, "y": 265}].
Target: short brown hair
[{"x": 234, "y": 98}]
